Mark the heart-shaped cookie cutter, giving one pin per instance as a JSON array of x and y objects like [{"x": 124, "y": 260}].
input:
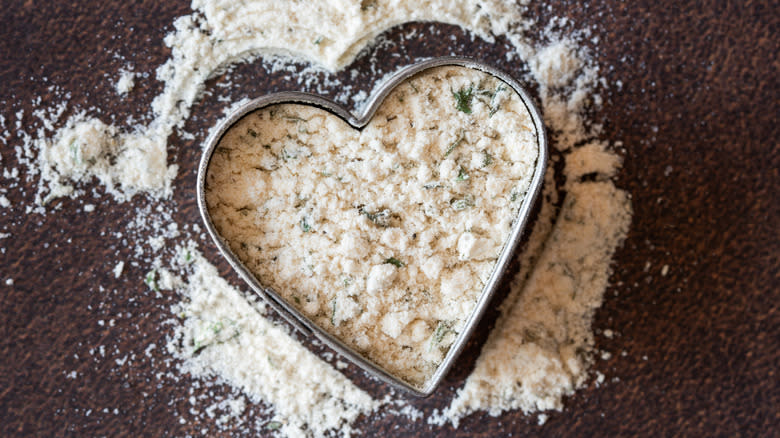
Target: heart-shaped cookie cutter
[{"x": 290, "y": 313}]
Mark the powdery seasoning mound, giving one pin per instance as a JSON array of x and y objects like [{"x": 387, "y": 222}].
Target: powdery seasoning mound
[
  {"x": 332, "y": 33},
  {"x": 542, "y": 346},
  {"x": 219, "y": 33},
  {"x": 86, "y": 148},
  {"x": 539, "y": 350},
  {"x": 224, "y": 335},
  {"x": 384, "y": 237},
  {"x": 132, "y": 160},
  {"x": 566, "y": 85}
]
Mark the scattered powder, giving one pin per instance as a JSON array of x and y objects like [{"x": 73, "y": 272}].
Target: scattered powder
[
  {"x": 118, "y": 269},
  {"x": 86, "y": 149},
  {"x": 224, "y": 334},
  {"x": 555, "y": 68},
  {"x": 541, "y": 348},
  {"x": 531, "y": 360},
  {"x": 203, "y": 44},
  {"x": 126, "y": 82}
]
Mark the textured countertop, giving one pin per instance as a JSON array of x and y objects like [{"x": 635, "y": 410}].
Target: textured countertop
[{"x": 697, "y": 112}]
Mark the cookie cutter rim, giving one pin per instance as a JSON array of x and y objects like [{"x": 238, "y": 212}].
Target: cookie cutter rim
[{"x": 359, "y": 121}]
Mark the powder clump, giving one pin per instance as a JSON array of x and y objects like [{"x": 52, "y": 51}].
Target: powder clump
[
  {"x": 126, "y": 82},
  {"x": 86, "y": 148}
]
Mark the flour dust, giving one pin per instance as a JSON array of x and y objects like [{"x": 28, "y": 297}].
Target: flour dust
[{"x": 542, "y": 347}]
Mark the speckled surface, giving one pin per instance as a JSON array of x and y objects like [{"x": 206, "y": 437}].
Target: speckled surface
[{"x": 697, "y": 112}]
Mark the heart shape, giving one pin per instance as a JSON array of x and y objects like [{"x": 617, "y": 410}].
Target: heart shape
[{"x": 385, "y": 234}]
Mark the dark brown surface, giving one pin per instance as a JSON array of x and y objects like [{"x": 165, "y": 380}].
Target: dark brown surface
[{"x": 697, "y": 112}]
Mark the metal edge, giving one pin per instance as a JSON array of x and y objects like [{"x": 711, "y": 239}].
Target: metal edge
[
  {"x": 292, "y": 315},
  {"x": 523, "y": 215}
]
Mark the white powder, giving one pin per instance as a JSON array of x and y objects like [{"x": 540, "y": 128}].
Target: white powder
[
  {"x": 118, "y": 269},
  {"x": 219, "y": 33},
  {"x": 540, "y": 351},
  {"x": 126, "y": 82},
  {"x": 566, "y": 82},
  {"x": 86, "y": 149},
  {"x": 313, "y": 208},
  {"x": 224, "y": 334},
  {"x": 542, "y": 346}
]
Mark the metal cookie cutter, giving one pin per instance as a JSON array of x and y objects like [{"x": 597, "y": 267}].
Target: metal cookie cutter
[{"x": 290, "y": 313}]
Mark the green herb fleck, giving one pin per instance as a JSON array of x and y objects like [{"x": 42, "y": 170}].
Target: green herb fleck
[
  {"x": 297, "y": 300},
  {"x": 305, "y": 226},
  {"x": 287, "y": 155},
  {"x": 463, "y": 99},
  {"x": 188, "y": 257},
  {"x": 395, "y": 262},
  {"x": 432, "y": 185},
  {"x": 494, "y": 103},
  {"x": 217, "y": 327},
  {"x": 252, "y": 132},
  {"x": 438, "y": 334},
  {"x": 271, "y": 362},
  {"x": 294, "y": 119},
  {"x": 74, "y": 152},
  {"x": 223, "y": 150},
  {"x": 318, "y": 41},
  {"x": 457, "y": 142},
  {"x": 151, "y": 281},
  {"x": 333, "y": 313},
  {"x": 462, "y": 204},
  {"x": 274, "y": 425},
  {"x": 462, "y": 175},
  {"x": 487, "y": 159},
  {"x": 197, "y": 346},
  {"x": 513, "y": 197},
  {"x": 380, "y": 218}
]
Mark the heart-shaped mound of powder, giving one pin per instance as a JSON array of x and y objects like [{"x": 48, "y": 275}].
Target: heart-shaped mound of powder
[{"x": 385, "y": 236}]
